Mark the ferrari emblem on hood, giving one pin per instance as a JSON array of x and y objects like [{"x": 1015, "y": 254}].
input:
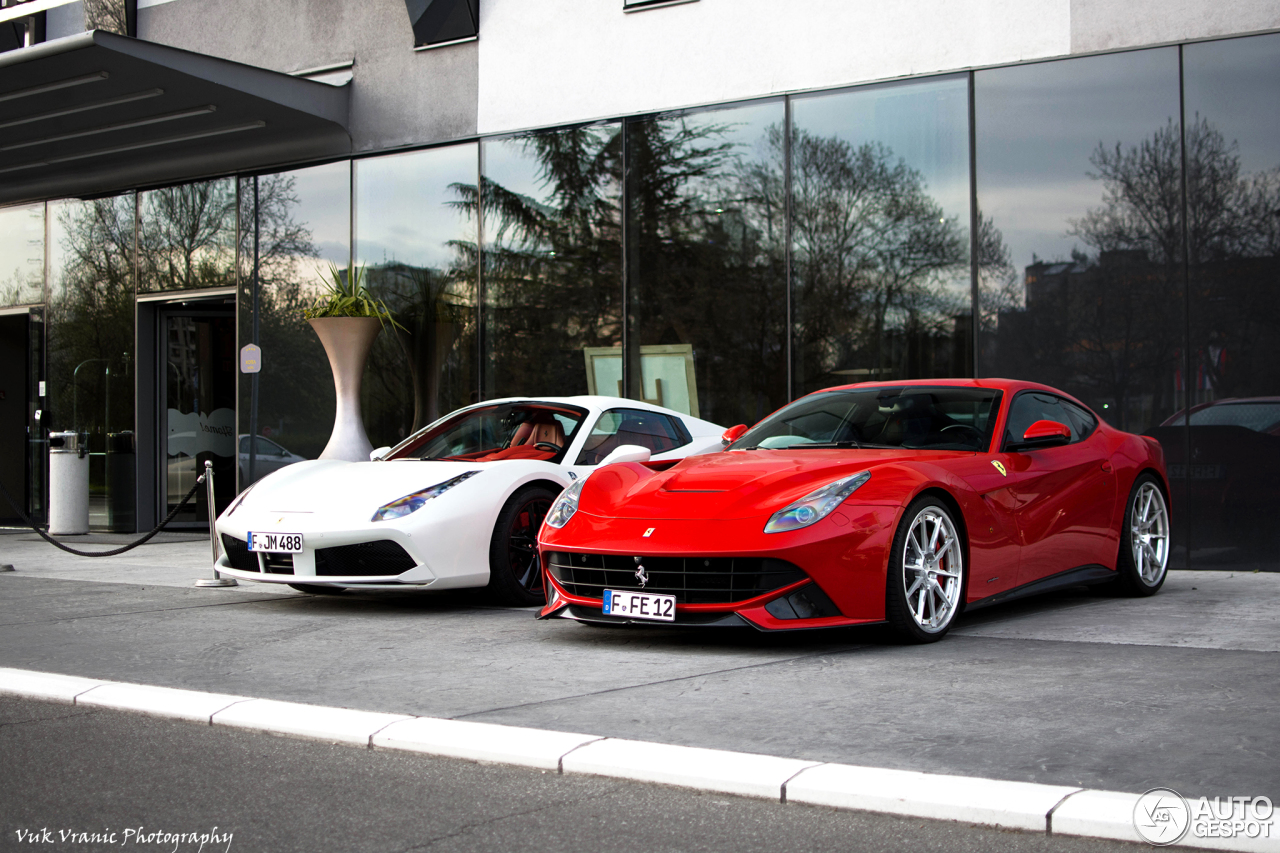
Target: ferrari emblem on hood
[{"x": 1000, "y": 468}]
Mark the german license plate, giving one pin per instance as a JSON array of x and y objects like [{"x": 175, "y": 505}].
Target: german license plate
[
  {"x": 640, "y": 605},
  {"x": 276, "y": 543}
]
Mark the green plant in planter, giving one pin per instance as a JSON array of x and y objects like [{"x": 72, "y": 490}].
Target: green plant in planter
[{"x": 349, "y": 297}]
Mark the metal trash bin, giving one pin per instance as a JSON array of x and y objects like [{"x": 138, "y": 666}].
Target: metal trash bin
[
  {"x": 120, "y": 482},
  {"x": 68, "y": 484}
]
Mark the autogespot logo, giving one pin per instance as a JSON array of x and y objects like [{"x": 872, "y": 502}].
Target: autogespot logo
[{"x": 1161, "y": 816}]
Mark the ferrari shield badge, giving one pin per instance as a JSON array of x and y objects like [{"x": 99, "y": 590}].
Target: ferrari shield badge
[{"x": 1000, "y": 468}]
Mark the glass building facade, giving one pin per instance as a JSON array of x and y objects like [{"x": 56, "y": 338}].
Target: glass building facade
[{"x": 1107, "y": 225}]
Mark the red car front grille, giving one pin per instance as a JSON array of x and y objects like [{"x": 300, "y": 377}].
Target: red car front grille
[{"x": 692, "y": 580}]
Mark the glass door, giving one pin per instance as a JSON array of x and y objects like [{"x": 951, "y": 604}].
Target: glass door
[{"x": 197, "y": 409}]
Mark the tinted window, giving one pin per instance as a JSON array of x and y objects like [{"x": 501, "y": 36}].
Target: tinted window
[
  {"x": 617, "y": 427},
  {"x": 1028, "y": 408},
  {"x": 475, "y": 434},
  {"x": 1082, "y": 421},
  {"x": 910, "y": 417},
  {"x": 1259, "y": 417}
]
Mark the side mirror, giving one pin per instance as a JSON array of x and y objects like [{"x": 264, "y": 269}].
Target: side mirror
[
  {"x": 732, "y": 434},
  {"x": 379, "y": 454},
  {"x": 1045, "y": 434},
  {"x": 626, "y": 453}
]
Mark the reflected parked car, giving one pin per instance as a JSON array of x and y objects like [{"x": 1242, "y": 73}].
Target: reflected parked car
[
  {"x": 269, "y": 457},
  {"x": 1231, "y": 484}
]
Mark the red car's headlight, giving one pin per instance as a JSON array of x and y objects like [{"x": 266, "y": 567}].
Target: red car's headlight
[
  {"x": 565, "y": 506},
  {"x": 816, "y": 505}
]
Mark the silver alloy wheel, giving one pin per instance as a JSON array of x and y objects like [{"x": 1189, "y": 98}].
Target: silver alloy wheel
[
  {"x": 933, "y": 570},
  {"x": 1149, "y": 533}
]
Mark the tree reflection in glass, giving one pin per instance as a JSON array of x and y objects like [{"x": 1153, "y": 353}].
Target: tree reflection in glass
[
  {"x": 22, "y": 254},
  {"x": 90, "y": 318},
  {"x": 552, "y": 257},
  {"x": 706, "y": 259},
  {"x": 187, "y": 236},
  {"x": 880, "y": 180},
  {"x": 1232, "y": 475},
  {"x": 303, "y": 224},
  {"x": 416, "y": 242}
]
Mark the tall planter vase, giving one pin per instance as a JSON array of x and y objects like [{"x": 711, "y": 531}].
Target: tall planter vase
[{"x": 347, "y": 341}]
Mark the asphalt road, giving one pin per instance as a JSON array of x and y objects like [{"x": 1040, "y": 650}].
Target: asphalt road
[
  {"x": 77, "y": 769},
  {"x": 1178, "y": 690}
]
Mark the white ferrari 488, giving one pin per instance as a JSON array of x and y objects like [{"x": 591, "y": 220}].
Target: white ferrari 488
[{"x": 456, "y": 504}]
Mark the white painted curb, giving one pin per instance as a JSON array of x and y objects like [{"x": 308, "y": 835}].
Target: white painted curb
[
  {"x": 1109, "y": 814},
  {"x": 159, "y": 701},
  {"x": 310, "y": 721},
  {"x": 44, "y": 685},
  {"x": 689, "y": 767},
  {"x": 1017, "y": 805},
  {"x": 1097, "y": 814},
  {"x": 482, "y": 741}
]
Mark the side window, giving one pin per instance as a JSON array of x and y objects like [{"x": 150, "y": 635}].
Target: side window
[
  {"x": 1029, "y": 407},
  {"x": 616, "y": 427},
  {"x": 1082, "y": 422}
]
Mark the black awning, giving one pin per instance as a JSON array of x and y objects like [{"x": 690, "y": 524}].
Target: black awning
[{"x": 98, "y": 112}]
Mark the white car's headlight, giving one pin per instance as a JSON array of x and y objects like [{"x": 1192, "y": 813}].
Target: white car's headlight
[
  {"x": 412, "y": 503},
  {"x": 235, "y": 504},
  {"x": 816, "y": 505},
  {"x": 565, "y": 506}
]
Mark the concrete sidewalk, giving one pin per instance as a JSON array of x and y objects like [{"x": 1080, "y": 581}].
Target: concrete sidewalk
[{"x": 171, "y": 558}]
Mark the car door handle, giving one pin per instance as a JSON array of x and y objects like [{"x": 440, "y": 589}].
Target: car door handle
[{"x": 1106, "y": 467}]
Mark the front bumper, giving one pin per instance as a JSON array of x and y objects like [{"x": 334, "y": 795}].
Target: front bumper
[{"x": 843, "y": 558}]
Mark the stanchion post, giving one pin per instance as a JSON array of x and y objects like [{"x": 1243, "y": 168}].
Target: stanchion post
[{"x": 217, "y": 579}]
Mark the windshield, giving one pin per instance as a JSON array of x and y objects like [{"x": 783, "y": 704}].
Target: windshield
[
  {"x": 942, "y": 418},
  {"x": 493, "y": 433},
  {"x": 1259, "y": 417}
]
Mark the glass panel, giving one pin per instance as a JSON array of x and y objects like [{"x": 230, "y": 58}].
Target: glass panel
[
  {"x": 914, "y": 417},
  {"x": 706, "y": 261},
  {"x": 304, "y": 228},
  {"x": 630, "y": 426},
  {"x": 1079, "y": 188},
  {"x": 22, "y": 254},
  {"x": 200, "y": 413},
  {"x": 880, "y": 180},
  {"x": 415, "y": 239},
  {"x": 186, "y": 236},
  {"x": 500, "y": 431},
  {"x": 552, "y": 260},
  {"x": 37, "y": 443},
  {"x": 1233, "y": 191},
  {"x": 109, "y": 15},
  {"x": 91, "y": 340}
]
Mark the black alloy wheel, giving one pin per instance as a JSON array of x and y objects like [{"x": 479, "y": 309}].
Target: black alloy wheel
[{"x": 515, "y": 572}]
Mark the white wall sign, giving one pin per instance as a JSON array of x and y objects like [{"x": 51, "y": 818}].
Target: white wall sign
[{"x": 250, "y": 358}]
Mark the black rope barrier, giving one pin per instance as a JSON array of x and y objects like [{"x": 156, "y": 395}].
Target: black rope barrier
[{"x": 168, "y": 518}]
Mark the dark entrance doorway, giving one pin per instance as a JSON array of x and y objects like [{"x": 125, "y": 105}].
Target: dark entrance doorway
[
  {"x": 14, "y": 376},
  {"x": 197, "y": 408}
]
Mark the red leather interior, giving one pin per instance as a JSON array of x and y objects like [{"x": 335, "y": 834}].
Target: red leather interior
[{"x": 525, "y": 437}]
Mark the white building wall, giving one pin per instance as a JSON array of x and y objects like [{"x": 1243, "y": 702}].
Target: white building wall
[{"x": 557, "y": 61}]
